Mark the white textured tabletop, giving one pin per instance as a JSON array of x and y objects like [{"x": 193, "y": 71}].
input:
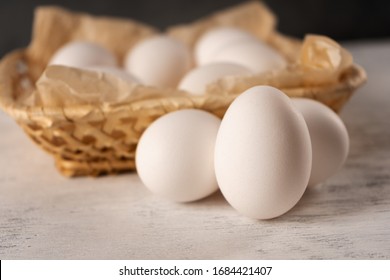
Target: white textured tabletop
[{"x": 46, "y": 216}]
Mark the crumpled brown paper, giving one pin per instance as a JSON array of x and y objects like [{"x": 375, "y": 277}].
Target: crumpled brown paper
[
  {"x": 61, "y": 85},
  {"x": 67, "y": 86},
  {"x": 317, "y": 60},
  {"x": 322, "y": 60}
]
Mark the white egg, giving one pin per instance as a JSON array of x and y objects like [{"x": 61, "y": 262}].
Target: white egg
[
  {"x": 198, "y": 78},
  {"x": 329, "y": 138},
  {"x": 115, "y": 71},
  {"x": 210, "y": 42},
  {"x": 159, "y": 61},
  {"x": 82, "y": 54},
  {"x": 174, "y": 156},
  {"x": 256, "y": 55},
  {"x": 262, "y": 153}
]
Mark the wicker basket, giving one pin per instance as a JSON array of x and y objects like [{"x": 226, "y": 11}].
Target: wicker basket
[{"x": 93, "y": 139}]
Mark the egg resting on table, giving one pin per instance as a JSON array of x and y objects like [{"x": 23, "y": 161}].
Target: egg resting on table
[
  {"x": 329, "y": 138},
  {"x": 263, "y": 153},
  {"x": 174, "y": 156}
]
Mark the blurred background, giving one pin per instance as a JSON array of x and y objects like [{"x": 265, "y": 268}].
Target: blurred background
[{"x": 339, "y": 19}]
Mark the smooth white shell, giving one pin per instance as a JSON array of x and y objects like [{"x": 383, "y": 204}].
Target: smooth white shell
[
  {"x": 159, "y": 61},
  {"x": 83, "y": 54},
  {"x": 262, "y": 154},
  {"x": 256, "y": 55},
  {"x": 198, "y": 78},
  {"x": 210, "y": 42},
  {"x": 174, "y": 156},
  {"x": 329, "y": 138}
]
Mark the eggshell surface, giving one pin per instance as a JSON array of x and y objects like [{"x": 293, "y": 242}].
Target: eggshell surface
[
  {"x": 174, "y": 157},
  {"x": 159, "y": 61},
  {"x": 82, "y": 54},
  {"x": 211, "y": 41},
  {"x": 256, "y": 55},
  {"x": 329, "y": 138},
  {"x": 262, "y": 154},
  {"x": 198, "y": 78}
]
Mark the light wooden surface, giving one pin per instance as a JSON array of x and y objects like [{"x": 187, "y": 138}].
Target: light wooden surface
[{"x": 46, "y": 216}]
